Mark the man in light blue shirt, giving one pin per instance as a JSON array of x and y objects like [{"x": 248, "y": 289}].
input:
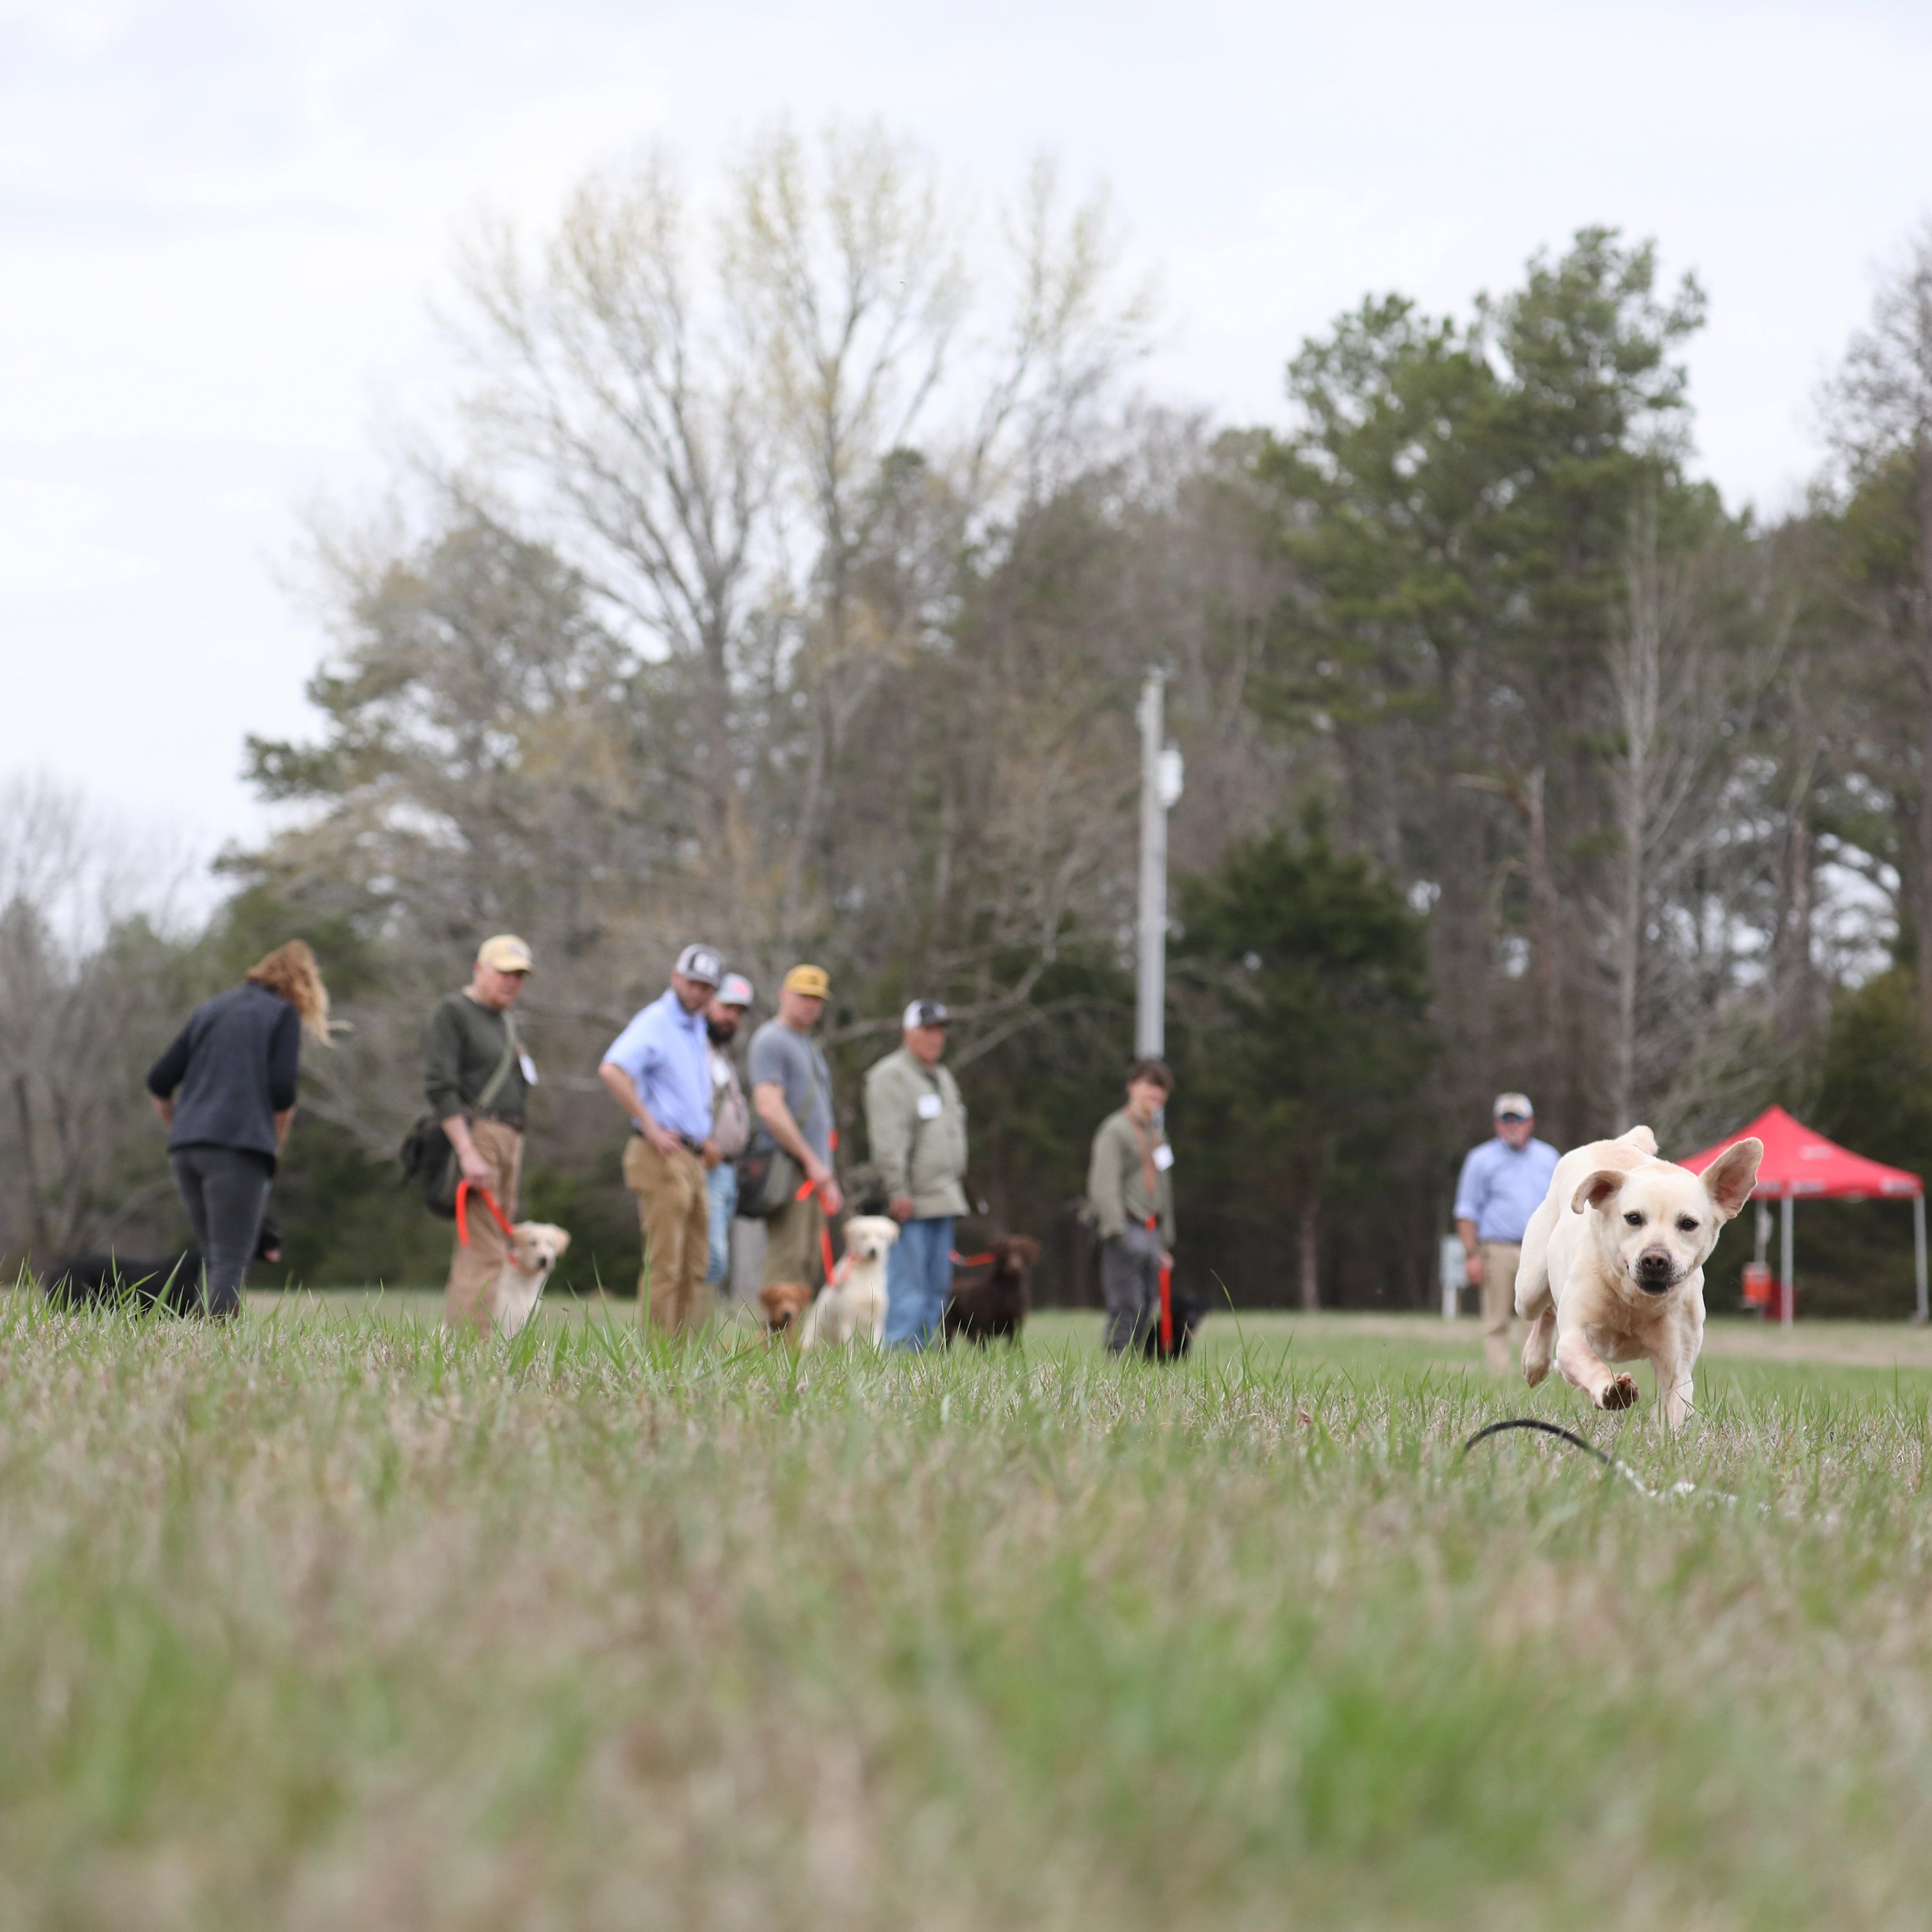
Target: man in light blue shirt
[
  {"x": 658, "y": 1070},
  {"x": 1502, "y": 1184}
]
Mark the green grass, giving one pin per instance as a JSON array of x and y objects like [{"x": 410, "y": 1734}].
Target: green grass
[{"x": 325, "y": 1620}]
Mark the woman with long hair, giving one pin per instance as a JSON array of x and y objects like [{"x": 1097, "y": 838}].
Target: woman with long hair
[{"x": 226, "y": 1090}]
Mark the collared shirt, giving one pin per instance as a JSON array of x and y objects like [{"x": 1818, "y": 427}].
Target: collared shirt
[
  {"x": 1500, "y": 1188},
  {"x": 666, "y": 1051}
]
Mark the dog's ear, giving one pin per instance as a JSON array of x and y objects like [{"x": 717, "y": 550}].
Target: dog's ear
[
  {"x": 1729, "y": 1179},
  {"x": 1597, "y": 1188}
]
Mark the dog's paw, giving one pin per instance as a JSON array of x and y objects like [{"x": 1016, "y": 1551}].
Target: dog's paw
[{"x": 1619, "y": 1392}]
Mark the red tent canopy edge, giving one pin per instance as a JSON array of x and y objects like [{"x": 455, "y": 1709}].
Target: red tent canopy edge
[{"x": 1800, "y": 1163}]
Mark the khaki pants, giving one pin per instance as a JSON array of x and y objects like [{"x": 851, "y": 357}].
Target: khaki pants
[
  {"x": 792, "y": 1247},
  {"x": 674, "y": 1216},
  {"x": 473, "y": 1268},
  {"x": 1499, "y": 1342}
]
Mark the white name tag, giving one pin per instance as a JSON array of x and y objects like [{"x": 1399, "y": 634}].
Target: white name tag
[
  {"x": 929, "y": 1106},
  {"x": 1163, "y": 1156},
  {"x": 528, "y": 1065}
]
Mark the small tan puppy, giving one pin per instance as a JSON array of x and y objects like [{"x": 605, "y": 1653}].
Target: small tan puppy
[
  {"x": 512, "y": 1298},
  {"x": 784, "y": 1302},
  {"x": 854, "y": 1304},
  {"x": 1612, "y": 1267}
]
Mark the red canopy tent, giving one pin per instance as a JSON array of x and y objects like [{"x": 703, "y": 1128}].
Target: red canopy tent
[{"x": 1799, "y": 1163}]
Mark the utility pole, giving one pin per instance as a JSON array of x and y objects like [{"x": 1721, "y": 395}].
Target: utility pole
[{"x": 1160, "y": 789}]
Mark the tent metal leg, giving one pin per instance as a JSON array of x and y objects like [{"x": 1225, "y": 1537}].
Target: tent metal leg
[
  {"x": 1790, "y": 1309},
  {"x": 1762, "y": 1217},
  {"x": 1918, "y": 1254}
]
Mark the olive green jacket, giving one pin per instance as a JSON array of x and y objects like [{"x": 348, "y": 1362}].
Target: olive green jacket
[
  {"x": 924, "y": 1158},
  {"x": 1116, "y": 1195}
]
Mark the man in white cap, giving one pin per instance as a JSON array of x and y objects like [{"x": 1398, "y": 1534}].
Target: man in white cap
[
  {"x": 478, "y": 1085},
  {"x": 731, "y": 1121},
  {"x": 658, "y": 1070},
  {"x": 917, "y": 1125},
  {"x": 1501, "y": 1185}
]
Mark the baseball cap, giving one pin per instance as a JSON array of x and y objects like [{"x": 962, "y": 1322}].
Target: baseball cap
[
  {"x": 506, "y": 952},
  {"x": 925, "y": 1013},
  {"x": 702, "y": 963},
  {"x": 1513, "y": 1103},
  {"x": 810, "y": 980},
  {"x": 735, "y": 990}
]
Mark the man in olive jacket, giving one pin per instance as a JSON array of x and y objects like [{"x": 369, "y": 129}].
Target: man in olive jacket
[
  {"x": 479, "y": 1083},
  {"x": 1130, "y": 1151},
  {"x": 917, "y": 1124}
]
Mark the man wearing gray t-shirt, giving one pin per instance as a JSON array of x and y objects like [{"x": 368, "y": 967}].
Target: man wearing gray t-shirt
[{"x": 791, "y": 1094}]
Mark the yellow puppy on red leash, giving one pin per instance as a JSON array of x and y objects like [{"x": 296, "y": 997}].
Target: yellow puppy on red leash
[
  {"x": 852, "y": 1307},
  {"x": 536, "y": 1247},
  {"x": 1612, "y": 1267}
]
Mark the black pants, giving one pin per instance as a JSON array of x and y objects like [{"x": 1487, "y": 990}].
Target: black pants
[
  {"x": 1130, "y": 1286},
  {"x": 224, "y": 1190}
]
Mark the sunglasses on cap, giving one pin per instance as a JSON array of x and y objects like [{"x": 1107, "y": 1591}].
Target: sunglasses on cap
[{"x": 1513, "y": 1120}]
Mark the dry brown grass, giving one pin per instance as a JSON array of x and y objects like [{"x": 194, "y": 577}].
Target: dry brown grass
[{"x": 318, "y": 1623}]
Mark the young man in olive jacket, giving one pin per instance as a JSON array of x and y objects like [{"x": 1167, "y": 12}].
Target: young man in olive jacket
[
  {"x": 1130, "y": 1181},
  {"x": 917, "y": 1125}
]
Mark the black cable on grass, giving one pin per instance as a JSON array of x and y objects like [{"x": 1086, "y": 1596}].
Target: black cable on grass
[{"x": 1545, "y": 1428}]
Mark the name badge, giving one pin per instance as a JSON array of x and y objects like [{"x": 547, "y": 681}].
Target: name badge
[
  {"x": 930, "y": 1106},
  {"x": 1163, "y": 1156},
  {"x": 528, "y": 1065}
]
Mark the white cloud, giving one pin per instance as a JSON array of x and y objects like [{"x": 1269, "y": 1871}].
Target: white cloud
[
  {"x": 222, "y": 225},
  {"x": 48, "y": 548}
]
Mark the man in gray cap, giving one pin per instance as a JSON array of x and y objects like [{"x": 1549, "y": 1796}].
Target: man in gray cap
[
  {"x": 917, "y": 1123},
  {"x": 731, "y": 1121},
  {"x": 658, "y": 1070},
  {"x": 1501, "y": 1185}
]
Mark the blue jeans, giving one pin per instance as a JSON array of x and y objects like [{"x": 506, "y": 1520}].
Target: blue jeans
[
  {"x": 919, "y": 1277},
  {"x": 721, "y": 1185}
]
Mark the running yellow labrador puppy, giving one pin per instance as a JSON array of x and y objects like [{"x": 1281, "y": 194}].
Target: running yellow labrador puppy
[{"x": 1613, "y": 1266}]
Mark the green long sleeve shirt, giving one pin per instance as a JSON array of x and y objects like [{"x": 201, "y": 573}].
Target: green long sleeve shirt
[
  {"x": 1116, "y": 1192},
  {"x": 463, "y": 1045},
  {"x": 916, "y": 1121}
]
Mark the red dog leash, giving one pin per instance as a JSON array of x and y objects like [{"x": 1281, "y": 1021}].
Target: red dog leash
[
  {"x": 804, "y": 1193},
  {"x": 464, "y": 1190},
  {"x": 1153, "y": 1226}
]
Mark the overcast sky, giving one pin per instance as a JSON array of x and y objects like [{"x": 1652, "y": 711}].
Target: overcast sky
[{"x": 221, "y": 227}]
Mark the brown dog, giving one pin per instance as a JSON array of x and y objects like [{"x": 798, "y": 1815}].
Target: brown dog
[
  {"x": 784, "y": 1303},
  {"x": 997, "y": 1304}
]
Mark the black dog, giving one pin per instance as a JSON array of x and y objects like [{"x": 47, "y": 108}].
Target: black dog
[
  {"x": 998, "y": 1304},
  {"x": 1187, "y": 1312},
  {"x": 173, "y": 1282}
]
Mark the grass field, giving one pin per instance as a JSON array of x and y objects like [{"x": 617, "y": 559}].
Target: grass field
[{"x": 323, "y": 1620}]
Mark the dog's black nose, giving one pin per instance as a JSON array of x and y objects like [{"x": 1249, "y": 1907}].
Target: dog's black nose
[{"x": 1653, "y": 1273}]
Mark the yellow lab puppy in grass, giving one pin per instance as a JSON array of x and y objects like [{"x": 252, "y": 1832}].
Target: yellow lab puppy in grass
[
  {"x": 1612, "y": 1267},
  {"x": 512, "y": 1298},
  {"x": 852, "y": 1307}
]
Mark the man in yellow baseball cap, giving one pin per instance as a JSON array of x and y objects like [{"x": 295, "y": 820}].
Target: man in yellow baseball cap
[
  {"x": 791, "y": 1097},
  {"x": 478, "y": 1085}
]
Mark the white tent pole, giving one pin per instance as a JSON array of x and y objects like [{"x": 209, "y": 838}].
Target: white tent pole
[
  {"x": 1918, "y": 1252},
  {"x": 1784, "y": 1246},
  {"x": 1762, "y": 1217}
]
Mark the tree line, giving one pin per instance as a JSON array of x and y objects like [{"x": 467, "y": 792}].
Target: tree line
[{"x": 782, "y": 572}]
